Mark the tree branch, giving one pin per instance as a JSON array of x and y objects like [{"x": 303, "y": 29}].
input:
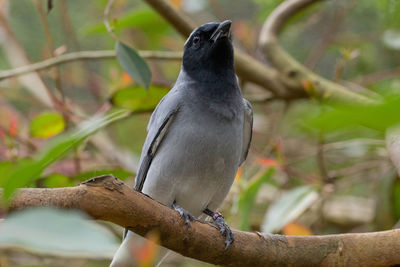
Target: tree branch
[
  {"x": 295, "y": 72},
  {"x": 107, "y": 198},
  {"x": 376, "y": 77},
  {"x": 84, "y": 55},
  {"x": 105, "y": 20}
]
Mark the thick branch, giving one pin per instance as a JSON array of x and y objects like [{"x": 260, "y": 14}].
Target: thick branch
[
  {"x": 107, "y": 198},
  {"x": 247, "y": 67},
  {"x": 295, "y": 72},
  {"x": 84, "y": 55}
]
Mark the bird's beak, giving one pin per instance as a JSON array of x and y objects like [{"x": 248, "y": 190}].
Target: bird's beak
[{"x": 223, "y": 30}]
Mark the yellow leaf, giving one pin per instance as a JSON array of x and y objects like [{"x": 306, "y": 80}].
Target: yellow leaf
[
  {"x": 47, "y": 124},
  {"x": 176, "y": 3},
  {"x": 293, "y": 228}
]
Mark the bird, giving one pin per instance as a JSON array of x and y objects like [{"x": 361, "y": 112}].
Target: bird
[{"x": 198, "y": 135}]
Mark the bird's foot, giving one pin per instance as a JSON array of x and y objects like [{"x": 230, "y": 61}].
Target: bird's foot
[
  {"x": 184, "y": 213},
  {"x": 219, "y": 222}
]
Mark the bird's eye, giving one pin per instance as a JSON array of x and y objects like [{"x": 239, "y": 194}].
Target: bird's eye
[{"x": 196, "y": 39}]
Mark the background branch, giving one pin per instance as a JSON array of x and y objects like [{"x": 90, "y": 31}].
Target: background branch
[
  {"x": 107, "y": 198},
  {"x": 294, "y": 72},
  {"x": 85, "y": 55}
]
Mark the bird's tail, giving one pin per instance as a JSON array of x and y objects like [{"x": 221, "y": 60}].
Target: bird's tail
[
  {"x": 123, "y": 256},
  {"x": 163, "y": 258}
]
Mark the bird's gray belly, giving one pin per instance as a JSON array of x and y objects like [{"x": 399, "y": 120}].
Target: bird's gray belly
[{"x": 195, "y": 164}]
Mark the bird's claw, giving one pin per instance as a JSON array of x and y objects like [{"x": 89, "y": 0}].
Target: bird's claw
[
  {"x": 219, "y": 222},
  {"x": 184, "y": 213}
]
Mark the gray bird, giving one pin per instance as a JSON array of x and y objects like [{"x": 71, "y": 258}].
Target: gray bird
[{"x": 198, "y": 135}]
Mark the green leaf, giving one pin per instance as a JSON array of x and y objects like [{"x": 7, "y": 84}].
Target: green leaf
[
  {"x": 145, "y": 19},
  {"x": 288, "y": 207},
  {"x": 331, "y": 118},
  {"x": 56, "y": 232},
  {"x": 247, "y": 198},
  {"x": 47, "y": 124},
  {"x": 138, "y": 99},
  {"x": 25, "y": 171},
  {"x": 133, "y": 64},
  {"x": 119, "y": 173}
]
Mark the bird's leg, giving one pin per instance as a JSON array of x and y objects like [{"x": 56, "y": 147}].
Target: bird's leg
[
  {"x": 184, "y": 213},
  {"x": 219, "y": 222}
]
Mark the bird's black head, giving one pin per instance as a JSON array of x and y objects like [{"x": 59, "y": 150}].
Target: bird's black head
[{"x": 208, "y": 52}]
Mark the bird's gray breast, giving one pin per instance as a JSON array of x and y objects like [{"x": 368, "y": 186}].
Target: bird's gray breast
[{"x": 196, "y": 162}]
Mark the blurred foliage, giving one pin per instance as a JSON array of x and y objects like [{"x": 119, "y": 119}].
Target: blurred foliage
[
  {"x": 288, "y": 207},
  {"x": 248, "y": 196},
  {"x": 47, "y": 125},
  {"x": 330, "y": 118},
  {"x": 308, "y": 157},
  {"x": 133, "y": 64},
  {"x": 56, "y": 232},
  {"x": 137, "y": 99},
  {"x": 20, "y": 173}
]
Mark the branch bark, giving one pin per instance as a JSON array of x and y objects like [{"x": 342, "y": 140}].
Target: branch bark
[
  {"x": 84, "y": 55},
  {"x": 107, "y": 198}
]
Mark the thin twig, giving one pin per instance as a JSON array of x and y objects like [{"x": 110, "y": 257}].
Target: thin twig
[
  {"x": 330, "y": 31},
  {"x": 67, "y": 24},
  {"x": 356, "y": 169},
  {"x": 106, "y": 23},
  {"x": 321, "y": 159},
  {"x": 84, "y": 55},
  {"x": 372, "y": 78},
  {"x": 48, "y": 98},
  {"x": 50, "y": 44},
  {"x": 295, "y": 72}
]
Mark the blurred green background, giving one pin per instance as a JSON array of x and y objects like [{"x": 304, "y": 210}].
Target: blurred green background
[{"x": 313, "y": 168}]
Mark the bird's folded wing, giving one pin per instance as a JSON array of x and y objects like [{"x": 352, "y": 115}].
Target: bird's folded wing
[
  {"x": 247, "y": 130},
  {"x": 160, "y": 121}
]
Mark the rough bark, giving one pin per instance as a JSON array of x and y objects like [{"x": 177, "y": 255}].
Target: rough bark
[{"x": 107, "y": 198}]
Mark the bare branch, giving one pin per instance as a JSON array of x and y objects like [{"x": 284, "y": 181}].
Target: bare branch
[
  {"x": 84, "y": 55},
  {"x": 372, "y": 78},
  {"x": 50, "y": 44},
  {"x": 105, "y": 20},
  {"x": 107, "y": 198},
  {"x": 294, "y": 72}
]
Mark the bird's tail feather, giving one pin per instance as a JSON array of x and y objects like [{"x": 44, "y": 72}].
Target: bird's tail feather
[
  {"x": 163, "y": 258},
  {"x": 123, "y": 256}
]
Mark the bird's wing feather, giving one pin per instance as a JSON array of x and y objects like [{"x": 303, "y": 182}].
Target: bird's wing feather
[
  {"x": 247, "y": 130},
  {"x": 160, "y": 121}
]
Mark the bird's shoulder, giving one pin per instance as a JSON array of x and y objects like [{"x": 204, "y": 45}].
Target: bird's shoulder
[{"x": 169, "y": 104}]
